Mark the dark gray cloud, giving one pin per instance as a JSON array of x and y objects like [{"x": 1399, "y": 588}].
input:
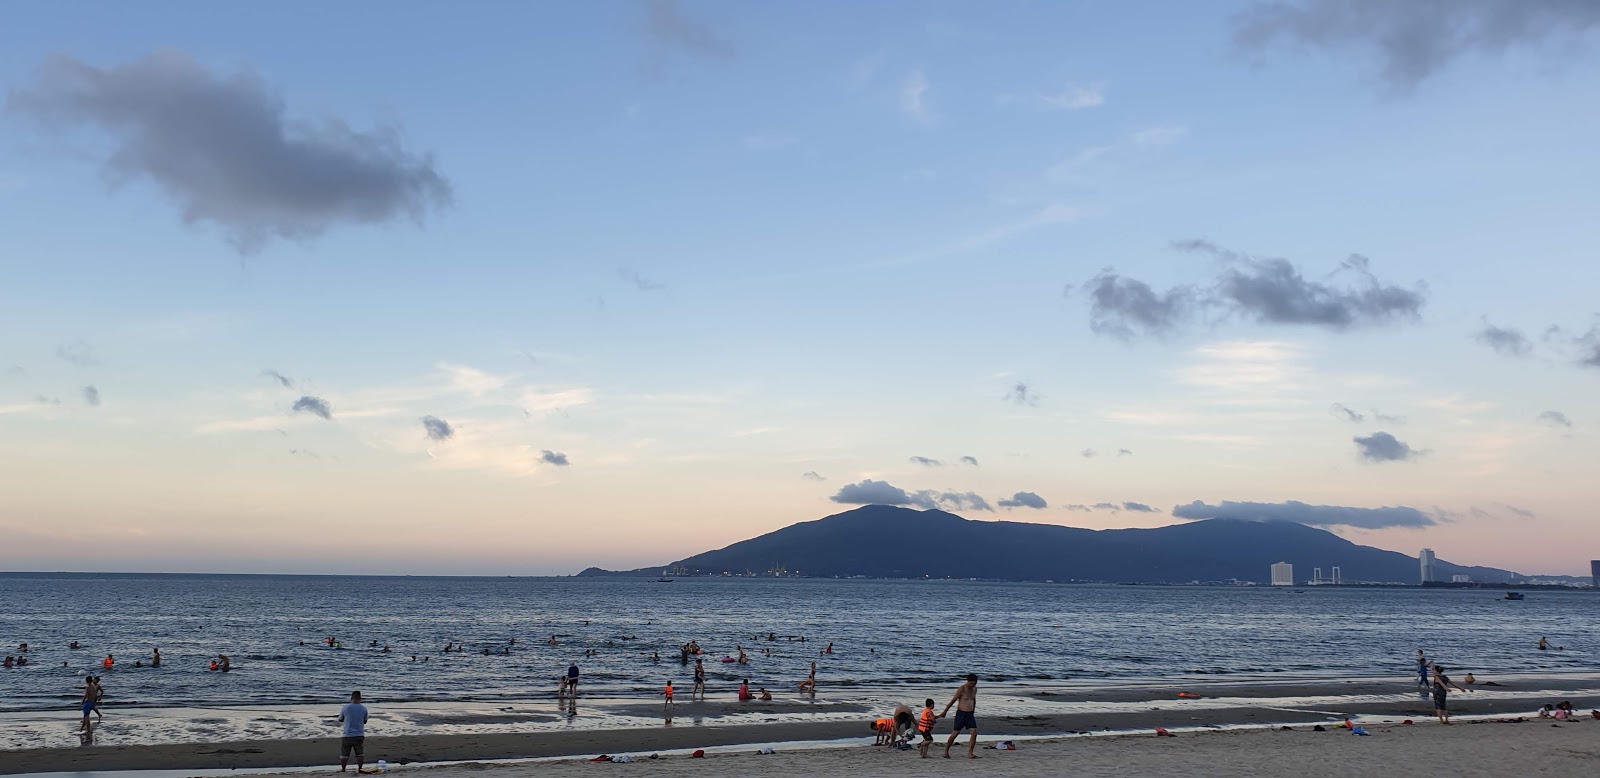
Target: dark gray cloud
[
  {"x": 1506, "y": 340},
  {"x": 1557, "y": 418},
  {"x": 1273, "y": 291},
  {"x": 1346, "y": 413},
  {"x": 1383, "y": 447},
  {"x": 1024, "y": 500},
  {"x": 669, "y": 30},
  {"x": 1589, "y": 347},
  {"x": 437, "y": 428},
  {"x": 282, "y": 379},
  {"x": 223, "y": 149},
  {"x": 1126, "y": 307},
  {"x": 639, "y": 282},
  {"x": 1309, "y": 515},
  {"x": 78, "y": 353},
  {"x": 91, "y": 396},
  {"x": 1139, "y": 507},
  {"x": 1077, "y": 506},
  {"x": 554, "y": 458},
  {"x": 812, "y": 475},
  {"x": 969, "y": 461},
  {"x": 1412, "y": 40},
  {"x": 1020, "y": 394},
  {"x": 870, "y": 492},
  {"x": 1105, "y": 506},
  {"x": 315, "y": 406},
  {"x": 1267, "y": 290},
  {"x": 925, "y": 462}
]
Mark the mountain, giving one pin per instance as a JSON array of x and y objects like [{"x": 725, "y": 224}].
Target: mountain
[{"x": 883, "y": 541}]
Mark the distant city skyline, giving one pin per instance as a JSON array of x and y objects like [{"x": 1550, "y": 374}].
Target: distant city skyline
[{"x": 529, "y": 288}]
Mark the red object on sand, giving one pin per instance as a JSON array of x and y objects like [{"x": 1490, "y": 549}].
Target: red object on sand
[
  {"x": 1188, "y": 696},
  {"x": 698, "y": 753},
  {"x": 1407, "y": 721},
  {"x": 1162, "y": 732}
]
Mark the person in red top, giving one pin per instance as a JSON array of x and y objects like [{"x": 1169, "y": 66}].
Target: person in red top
[{"x": 109, "y": 661}]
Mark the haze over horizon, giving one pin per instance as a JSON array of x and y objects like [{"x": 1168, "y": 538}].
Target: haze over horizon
[{"x": 538, "y": 287}]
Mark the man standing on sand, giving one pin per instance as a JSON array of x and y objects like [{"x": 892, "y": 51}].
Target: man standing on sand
[
  {"x": 353, "y": 717},
  {"x": 699, "y": 680},
  {"x": 966, "y": 705},
  {"x": 91, "y": 693}
]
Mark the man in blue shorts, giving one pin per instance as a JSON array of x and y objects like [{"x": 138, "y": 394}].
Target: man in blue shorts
[{"x": 965, "y": 702}]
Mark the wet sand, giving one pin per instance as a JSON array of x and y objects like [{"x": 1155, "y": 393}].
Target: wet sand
[{"x": 716, "y": 723}]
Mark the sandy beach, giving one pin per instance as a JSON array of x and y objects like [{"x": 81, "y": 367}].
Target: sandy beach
[{"x": 1484, "y": 748}]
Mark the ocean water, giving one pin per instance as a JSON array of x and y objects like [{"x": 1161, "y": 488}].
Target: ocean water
[{"x": 886, "y": 635}]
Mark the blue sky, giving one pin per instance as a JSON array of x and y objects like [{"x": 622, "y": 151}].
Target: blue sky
[{"x": 697, "y": 250}]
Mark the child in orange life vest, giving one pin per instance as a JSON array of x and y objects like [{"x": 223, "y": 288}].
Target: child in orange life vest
[
  {"x": 667, "y": 693},
  {"x": 883, "y": 731},
  {"x": 925, "y": 727}
]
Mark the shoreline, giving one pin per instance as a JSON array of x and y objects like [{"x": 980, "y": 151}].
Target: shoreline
[{"x": 1052, "y": 714}]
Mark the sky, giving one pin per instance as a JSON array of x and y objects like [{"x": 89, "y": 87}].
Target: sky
[{"x": 521, "y": 288}]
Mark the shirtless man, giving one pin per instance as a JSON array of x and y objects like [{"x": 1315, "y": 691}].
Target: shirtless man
[
  {"x": 699, "y": 680},
  {"x": 91, "y": 694},
  {"x": 810, "y": 683},
  {"x": 965, "y": 702}
]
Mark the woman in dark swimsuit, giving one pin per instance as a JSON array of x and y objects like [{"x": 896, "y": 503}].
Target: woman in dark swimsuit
[{"x": 1441, "y": 691}]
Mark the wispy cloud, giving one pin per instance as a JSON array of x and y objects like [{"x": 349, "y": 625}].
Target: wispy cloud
[
  {"x": 1505, "y": 340},
  {"x": 638, "y": 281},
  {"x": 282, "y": 379},
  {"x": 77, "y": 353},
  {"x": 1021, "y": 394},
  {"x": 1071, "y": 97},
  {"x": 914, "y": 97},
  {"x": 926, "y": 462},
  {"x": 223, "y": 148},
  {"x": 973, "y": 461},
  {"x": 1160, "y": 135},
  {"x": 1556, "y": 418},
  {"x": 1346, "y": 413},
  {"x": 669, "y": 30},
  {"x": 91, "y": 396},
  {"x": 812, "y": 475}
]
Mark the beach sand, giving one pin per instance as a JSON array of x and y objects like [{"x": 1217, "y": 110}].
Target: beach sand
[{"x": 1487, "y": 748}]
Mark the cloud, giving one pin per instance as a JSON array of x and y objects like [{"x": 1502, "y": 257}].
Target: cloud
[
  {"x": 315, "y": 406},
  {"x": 1105, "y": 506},
  {"x": 812, "y": 475},
  {"x": 926, "y": 462},
  {"x": 639, "y": 282},
  {"x": 1078, "y": 506},
  {"x": 1021, "y": 395},
  {"x": 1124, "y": 452},
  {"x": 437, "y": 428},
  {"x": 669, "y": 30},
  {"x": 1309, "y": 515},
  {"x": 555, "y": 458},
  {"x": 969, "y": 461},
  {"x": 914, "y": 97},
  {"x": 870, "y": 492},
  {"x": 1071, "y": 98},
  {"x": 1125, "y": 307},
  {"x": 43, "y": 400},
  {"x": 1024, "y": 500},
  {"x": 1414, "y": 39},
  {"x": 1088, "y": 453},
  {"x": 279, "y": 377},
  {"x": 78, "y": 353},
  {"x": 1139, "y": 507},
  {"x": 1589, "y": 347},
  {"x": 1556, "y": 418},
  {"x": 1383, "y": 447},
  {"x": 1160, "y": 135},
  {"x": 1505, "y": 340},
  {"x": 222, "y": 148},
  {"x": 1342, "y": 411},
  {"x": 1266, "y": 290},
  {"x": 544, "y": 400},
  {"x": 91, "y": 396},
  {"x": 1388, "y": 418}
]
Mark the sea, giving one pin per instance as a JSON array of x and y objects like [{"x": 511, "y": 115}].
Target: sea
[{"x": 889, "y": 637}]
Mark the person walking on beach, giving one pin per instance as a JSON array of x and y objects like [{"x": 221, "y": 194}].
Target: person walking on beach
[
  {"x": 965, "y": 702},
  {"x": 1422, "y": 669},
  {"x": 91, "y": 693},
  {"x": 353, "y": 717},
  {"x": 1441, "y": 691},
  {"x": 925, "y": 722},
  {"x": 810, "y": 683},
  {"x": 699, "y": 687},
  {"x": 572, "y": 680}
]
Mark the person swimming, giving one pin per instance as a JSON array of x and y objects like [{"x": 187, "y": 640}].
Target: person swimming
[{"x": 1544, "y": 645}]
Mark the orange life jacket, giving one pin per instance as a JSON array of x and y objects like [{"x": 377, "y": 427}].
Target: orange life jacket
[
  {"x": 668, "y": 691},
  {"x": 883, "y": 725},
  {"x": 927, "y": 720},
  {"x": 213, "y": 664},
  {"x": 108, "y": 663}
]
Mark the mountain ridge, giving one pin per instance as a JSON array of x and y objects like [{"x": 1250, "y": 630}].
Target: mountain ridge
[{"x": 883, "y": 541}]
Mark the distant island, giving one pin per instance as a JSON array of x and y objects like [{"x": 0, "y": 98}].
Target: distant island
[{"x": 883, "y": 541}]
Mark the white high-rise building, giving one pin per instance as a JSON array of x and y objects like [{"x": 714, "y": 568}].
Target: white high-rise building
[
  {"x": 1283, "y": 574},
  {"x": 1429, "y": 565}
]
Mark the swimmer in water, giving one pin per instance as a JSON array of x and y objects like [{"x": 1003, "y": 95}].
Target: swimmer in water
[{"x": 1544, "y": 645}]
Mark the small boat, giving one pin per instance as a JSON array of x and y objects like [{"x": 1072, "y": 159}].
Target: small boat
[
  {"x": 1514, "y": 595},
  {"x": 663, "y": 580}
]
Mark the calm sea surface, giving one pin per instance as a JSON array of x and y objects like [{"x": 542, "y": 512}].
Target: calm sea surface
[{"x": 886, "y": 634}]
